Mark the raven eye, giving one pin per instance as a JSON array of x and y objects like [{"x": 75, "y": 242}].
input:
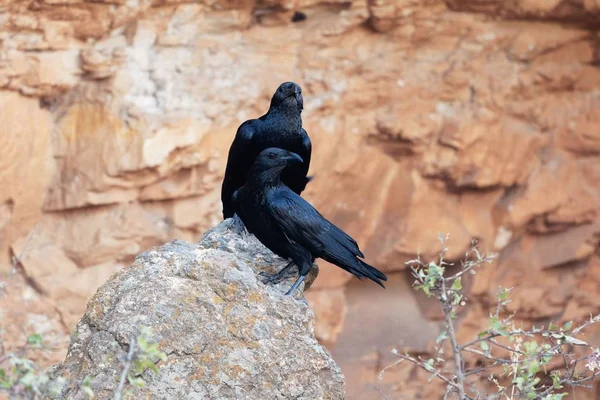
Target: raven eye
[{"x": 272, "y": 156}]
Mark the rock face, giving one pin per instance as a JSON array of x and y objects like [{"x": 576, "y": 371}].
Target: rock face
[
  {"x": 473, "y": 117},
  {"x": 226, "y": 335}
]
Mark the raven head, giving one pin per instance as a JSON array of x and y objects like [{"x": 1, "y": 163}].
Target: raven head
[
  {"x": 288, "y": 94},
  {"x": 276, "y": 158}
]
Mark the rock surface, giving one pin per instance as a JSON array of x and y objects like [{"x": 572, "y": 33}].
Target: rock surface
[
  {"x": 472, "y": 117},
  {"x": 225, "y": 334}
]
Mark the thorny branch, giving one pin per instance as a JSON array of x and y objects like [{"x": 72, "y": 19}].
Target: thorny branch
[{"x": 529, "y": 352}]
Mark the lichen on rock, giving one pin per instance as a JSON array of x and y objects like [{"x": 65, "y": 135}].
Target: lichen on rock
[{"x": 226, "y": 334}]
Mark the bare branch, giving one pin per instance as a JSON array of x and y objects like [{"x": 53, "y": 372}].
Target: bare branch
[
  {"x": 458, "y": 361},
  {"x": 126, "y": 367},
  {"x": 380, "y": 377}
]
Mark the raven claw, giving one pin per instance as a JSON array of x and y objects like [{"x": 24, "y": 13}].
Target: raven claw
[{"x": 274, "y": 279}]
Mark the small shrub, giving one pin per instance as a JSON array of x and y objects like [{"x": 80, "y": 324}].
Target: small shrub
[
  {"x": 520, "y": 363},
  {"x": 22, "y": 378}
]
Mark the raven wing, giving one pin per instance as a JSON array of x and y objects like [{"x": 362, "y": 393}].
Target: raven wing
[
  {"x": 295, "y": 177},
  {"x": 306, "y": 151},
  {"x": 239, "y": 162},
  {"x": 303, "y": 224}
]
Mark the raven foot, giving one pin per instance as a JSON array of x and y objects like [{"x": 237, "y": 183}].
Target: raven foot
[{"x": 273, "y": 279}]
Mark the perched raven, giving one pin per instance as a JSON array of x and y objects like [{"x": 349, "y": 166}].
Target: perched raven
[
  {"x": 289, "y": 226},
  {"x": 280, "y": 127}
]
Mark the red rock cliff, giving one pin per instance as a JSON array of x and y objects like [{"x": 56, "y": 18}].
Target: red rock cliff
[{"x": 477, "y": 118}]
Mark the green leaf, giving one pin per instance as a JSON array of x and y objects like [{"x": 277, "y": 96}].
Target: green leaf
[
  {"x": 457, "y": 284},
  {"x": 429, "y": 365},
  {"x": 503, "y": 332},
  {"x": 5, "y": 380},
  {"x": 519, "y": 381},
  {"x": 534, "y": 368},
  {"x": 137, "y": 382},
  {"x": 88, "y": 390},
  {"x": 86, "y": 387},
  {"x": 152, "y": 367},
  {"x": 142, "y": 343},
  {"x": 145, "y": 331},
  {"x": 546, "y": 358},
  {"x": 568, "y": 325},
  {"x": 443, "y": 336},
  {"x": 530, "y": 347},
  {"x": 572, "y": 340},
  {"x": 503, "y": 294},
  {"x": 152, "y": 348},
  {"x": 556, "y": 380},
  {"x": 28, "y": 380},
  {"x": 35, "y": 339},
  {"x": 456, "y": 298},
  {"x": 497, "y": 327},
  {"x": 553, "y": 327},
  {"x": 426, "y": 290},
  {"x": 484, "y": 346}
]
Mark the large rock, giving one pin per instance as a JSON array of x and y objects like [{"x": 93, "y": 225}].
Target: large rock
[{"x": 226, "y": 335}]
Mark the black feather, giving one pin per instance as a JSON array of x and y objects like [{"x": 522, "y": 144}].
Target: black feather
[
  {"x": 292, "y": 228},
  {"x": 280, "y": 127}
]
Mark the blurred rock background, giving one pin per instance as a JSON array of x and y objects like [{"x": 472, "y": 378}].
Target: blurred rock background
[{"x": 477, "y": 118}]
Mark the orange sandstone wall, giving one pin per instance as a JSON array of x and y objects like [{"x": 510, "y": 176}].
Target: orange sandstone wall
[{"x": 476, "y": 118}]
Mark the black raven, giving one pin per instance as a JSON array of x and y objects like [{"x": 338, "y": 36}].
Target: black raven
[
  {"x": 289, "y": 226},
  {"x": 280, "y": 127}
]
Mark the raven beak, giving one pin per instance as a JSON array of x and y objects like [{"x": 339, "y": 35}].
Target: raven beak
[
  {"x": 298, "y": 95},
  {"x": 292, "y": 158},
  {"x": 291, "y": 91}
]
